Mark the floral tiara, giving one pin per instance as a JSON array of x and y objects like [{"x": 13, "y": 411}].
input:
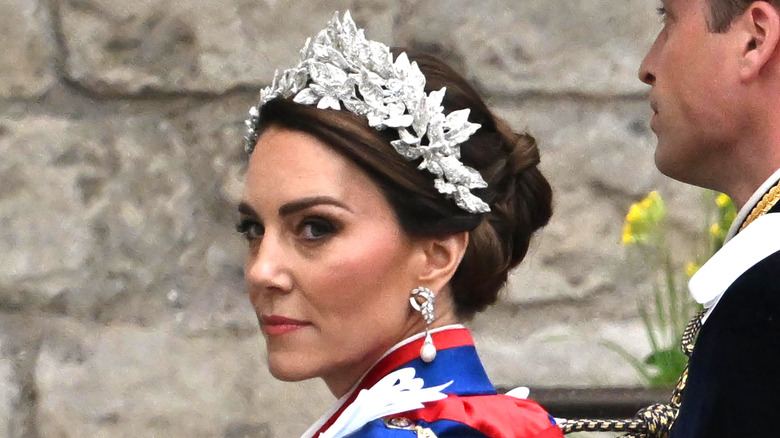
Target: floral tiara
[{"x": 342, "y": 67}]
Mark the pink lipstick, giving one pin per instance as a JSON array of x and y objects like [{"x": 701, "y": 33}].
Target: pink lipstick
[{"x": 275, "y": 325}]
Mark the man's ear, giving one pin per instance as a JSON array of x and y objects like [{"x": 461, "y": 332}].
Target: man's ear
[
  {"x": 759, "y": 27},
  {"x": 442, "y": 255}
]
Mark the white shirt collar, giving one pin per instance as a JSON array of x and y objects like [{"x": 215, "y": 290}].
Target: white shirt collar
[
  {"x": 755, "y": 243},
  {"x": 740, "y": 252}
]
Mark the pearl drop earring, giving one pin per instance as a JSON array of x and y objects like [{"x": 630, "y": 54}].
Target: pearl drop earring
[{"x": 422, "y": 300}]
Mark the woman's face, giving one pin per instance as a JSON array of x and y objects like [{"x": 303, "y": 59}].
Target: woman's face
[{"x": 328, "y": 269}]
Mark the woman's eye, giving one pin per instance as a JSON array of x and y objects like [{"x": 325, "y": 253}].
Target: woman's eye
[
  {"x": 250, "y": 229},
  {"x": 316, "y": 228}
]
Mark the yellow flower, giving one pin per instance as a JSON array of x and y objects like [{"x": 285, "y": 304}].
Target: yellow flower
[
  {"x": 715, "y": 230},
  {"x": 691, "y": 268},
  {"x": 722, "y": 200},
  {"x": 628, "y": 237},
  {"x": 634, "y": 214},
  {"x": 643, "y": 219},
  {"x": 655, "y": 207}
]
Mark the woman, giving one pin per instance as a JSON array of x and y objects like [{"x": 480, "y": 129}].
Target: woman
[{"x": 381, "y": 211}]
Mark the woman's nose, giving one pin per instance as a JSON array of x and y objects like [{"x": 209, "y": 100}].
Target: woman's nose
[{"x": 267, "y": 267}]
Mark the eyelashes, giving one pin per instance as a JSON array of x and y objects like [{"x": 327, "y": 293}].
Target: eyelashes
[
  {"x": 251, "y": 230},
  {"x": 309, "y": 229},
  {"x": 316, "y": 228}
]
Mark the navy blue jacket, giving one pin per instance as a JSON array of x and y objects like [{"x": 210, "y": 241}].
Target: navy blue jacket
[{"x": 733, "y": 385}]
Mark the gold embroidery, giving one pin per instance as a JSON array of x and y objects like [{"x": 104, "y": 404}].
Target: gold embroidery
[
  {"x": 767, "y": 202},
  {"x": 424, "y": 432}
]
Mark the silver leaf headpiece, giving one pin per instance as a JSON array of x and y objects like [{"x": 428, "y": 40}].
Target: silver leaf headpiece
[{"x": 340, "y": 63}]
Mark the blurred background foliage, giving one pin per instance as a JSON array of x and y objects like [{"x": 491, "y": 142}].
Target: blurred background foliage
[{"x": 665, "y": 318}]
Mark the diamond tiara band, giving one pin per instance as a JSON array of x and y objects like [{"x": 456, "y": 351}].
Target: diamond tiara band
[{"x": 341, "y": 69}]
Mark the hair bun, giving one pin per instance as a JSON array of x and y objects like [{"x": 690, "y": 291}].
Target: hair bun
[
  {"x": 524, "y": 153},
  {"x": 524, "y": 198},
  {"x": 520, "y": 199}
]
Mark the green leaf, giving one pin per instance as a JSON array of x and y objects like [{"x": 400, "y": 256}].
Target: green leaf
[
  {"x": 669, "y": 365},
  {"x": 637, "y": 364},
  {"x": 649, "y": 327}
]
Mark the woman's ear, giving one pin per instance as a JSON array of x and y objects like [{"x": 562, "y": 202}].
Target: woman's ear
[
  {"x": 760, "y": 26},
  {"x": 441, "y": 256}
]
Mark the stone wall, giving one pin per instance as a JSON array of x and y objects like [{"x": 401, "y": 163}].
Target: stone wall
[{"x": 122, "y": 309}]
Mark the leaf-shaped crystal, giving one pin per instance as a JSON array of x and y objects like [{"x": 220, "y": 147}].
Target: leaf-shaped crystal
[
  {"x": 405, "y": 150},
  {"x": 408, "y": 138},
  {"x": 306, "y": 97},
  {"x": 416, "y": 80},
  {"x": 369, "y": 89},
  {"x": 444, "y": 187},
  {"x": 329, "y": 102},
  {"x": 402, "y": 65},
  {"x": 457, "y": 119}
]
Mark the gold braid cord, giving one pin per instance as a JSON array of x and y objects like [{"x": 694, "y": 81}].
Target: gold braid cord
[
  {"x": 767, "y": 202},
  {"x": 656, "y": 421}
]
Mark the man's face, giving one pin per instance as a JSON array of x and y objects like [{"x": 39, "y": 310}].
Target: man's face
[{"x": 692, "y": 79}]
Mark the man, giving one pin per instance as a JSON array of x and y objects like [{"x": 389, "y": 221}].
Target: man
[{"x": 714, "y": 70}]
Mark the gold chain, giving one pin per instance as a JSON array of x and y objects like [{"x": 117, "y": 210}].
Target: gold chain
[{"x": 656, "y": 421}]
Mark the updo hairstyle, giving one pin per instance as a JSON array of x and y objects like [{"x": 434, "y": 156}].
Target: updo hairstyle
[{"x": 519, "y": 196}]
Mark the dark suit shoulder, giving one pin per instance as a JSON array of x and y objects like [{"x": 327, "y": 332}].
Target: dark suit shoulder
[
  {"x": 752, "y": 303},
  {"x": 734, "y": 383}
]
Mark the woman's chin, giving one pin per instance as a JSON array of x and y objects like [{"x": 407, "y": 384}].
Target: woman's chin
[{"x": 287, "y": 372}]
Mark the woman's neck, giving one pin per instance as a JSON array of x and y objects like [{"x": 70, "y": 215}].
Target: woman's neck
[{"x": 341, "y": 383}]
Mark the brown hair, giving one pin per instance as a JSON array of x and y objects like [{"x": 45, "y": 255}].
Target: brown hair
[
  {"x": 519, "y": 196},
  {"x": 723, "y": 12}
]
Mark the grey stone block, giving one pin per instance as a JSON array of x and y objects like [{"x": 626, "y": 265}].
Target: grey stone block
[
  {"x": 567, "y": 355},
  {"x": 116, "y": 218},
  {"x": 510, "y": 47},
  {"x": 9, "y": 391},
  {"x": 19, "y": 346},
  {"x": 27, "y": 66},
  {"x": 599, "y": 158},
  {"x": 202, "y": 45},
  {"x": 127, "y": 381}
]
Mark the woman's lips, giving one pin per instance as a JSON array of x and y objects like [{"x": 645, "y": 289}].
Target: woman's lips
[{"x": 275, "y": 325}]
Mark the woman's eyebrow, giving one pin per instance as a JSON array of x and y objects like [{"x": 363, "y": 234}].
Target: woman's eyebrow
[
  {"x": 302, "y": 204},
  {"x": 245, "y": 208}
]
